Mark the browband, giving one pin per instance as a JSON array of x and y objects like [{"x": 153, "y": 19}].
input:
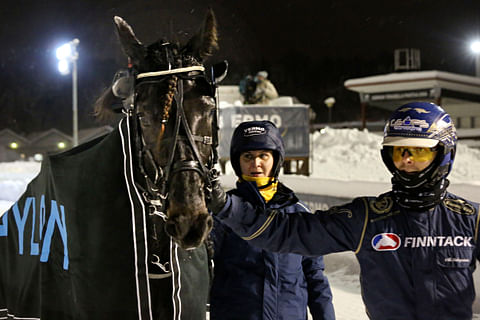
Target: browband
[{"x": 172, "y": 71}]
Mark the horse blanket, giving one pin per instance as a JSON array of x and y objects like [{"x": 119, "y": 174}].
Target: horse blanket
[{"x": 74, "y": 246}]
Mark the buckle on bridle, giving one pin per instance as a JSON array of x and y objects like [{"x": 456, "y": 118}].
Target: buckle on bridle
[{"x": 207, "y": 140}]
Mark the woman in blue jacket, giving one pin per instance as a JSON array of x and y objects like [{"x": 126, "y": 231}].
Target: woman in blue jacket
[{"x": 251, "y": 283}]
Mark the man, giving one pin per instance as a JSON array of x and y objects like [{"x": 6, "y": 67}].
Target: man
[
  {"x": 255, "y": 284},
  {"x": 265, "y": 90},
  {"x": 416, "y": 245}
]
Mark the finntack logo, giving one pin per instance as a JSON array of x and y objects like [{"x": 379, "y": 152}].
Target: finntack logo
[
  {"x": 386, "y": 242},
  {"x": 391, "y": 241},
  {"x": 254, "y": 131},
  {"x": 437, "y": 241}
]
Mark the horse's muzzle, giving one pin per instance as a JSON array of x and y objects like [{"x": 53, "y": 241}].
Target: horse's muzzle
[{"x": 189, "y": 231}]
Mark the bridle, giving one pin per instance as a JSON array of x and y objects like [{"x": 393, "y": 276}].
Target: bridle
[{"x": 155, "y": 188}]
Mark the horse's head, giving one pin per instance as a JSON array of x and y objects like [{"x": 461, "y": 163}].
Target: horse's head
[{"x": 172, "y": 98}]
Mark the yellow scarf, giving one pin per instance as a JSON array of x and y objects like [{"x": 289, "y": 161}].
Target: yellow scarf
[{"x": 267, "y": 192}]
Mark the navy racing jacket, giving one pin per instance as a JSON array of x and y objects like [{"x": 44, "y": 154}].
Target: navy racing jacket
[
  {"x": 413, "y": 265},
  {"x": 255, "y": 284}
]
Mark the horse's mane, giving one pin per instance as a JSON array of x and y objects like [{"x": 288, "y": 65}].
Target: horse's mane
[{"x": 102, "y": 108}]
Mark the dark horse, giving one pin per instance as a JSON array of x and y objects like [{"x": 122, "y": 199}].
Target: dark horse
[{"x": 116, "y": 228}]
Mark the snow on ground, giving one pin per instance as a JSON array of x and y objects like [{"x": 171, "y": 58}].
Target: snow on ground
[
  {"x": 14, "y": 177},
  {"x": 339, "y": 155},
  {"x": 351, "y": 154}
]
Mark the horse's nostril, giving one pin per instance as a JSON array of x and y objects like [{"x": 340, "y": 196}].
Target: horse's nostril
[{"x": 176, "y": 229}]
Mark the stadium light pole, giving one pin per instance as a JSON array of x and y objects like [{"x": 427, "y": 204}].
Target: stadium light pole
[
  {"x": 475, "y": 47},
  {"x": 67, "y": 55}
]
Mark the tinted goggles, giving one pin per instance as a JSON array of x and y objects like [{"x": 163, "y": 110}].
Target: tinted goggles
[{"x": 416, "y": 153}]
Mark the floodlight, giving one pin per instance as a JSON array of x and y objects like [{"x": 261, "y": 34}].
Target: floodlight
[
  {"x": 64, "y": 51},
  {"x": 64, "y": 67},
  {"x": 475, "y": 46}
]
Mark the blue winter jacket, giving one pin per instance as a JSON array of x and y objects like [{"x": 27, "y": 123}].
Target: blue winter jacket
[
  {"x": 255, "y": 284},
  {"x": 414, "y": 265}
]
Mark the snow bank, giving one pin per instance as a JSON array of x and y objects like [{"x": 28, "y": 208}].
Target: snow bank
[
  {"x": 352, "y": 154},
  {"x": 14, "y": 177}
]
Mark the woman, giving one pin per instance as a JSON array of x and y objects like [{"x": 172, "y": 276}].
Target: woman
[{"x": 251, "y": 283}]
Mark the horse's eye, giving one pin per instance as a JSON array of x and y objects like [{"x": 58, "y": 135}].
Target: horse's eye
[{"x": 203, "y": 85}]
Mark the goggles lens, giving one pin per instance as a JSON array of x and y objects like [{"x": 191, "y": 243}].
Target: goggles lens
[{"x": 416, "y": 153}]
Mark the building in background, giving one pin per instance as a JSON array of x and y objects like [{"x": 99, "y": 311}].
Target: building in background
[{"x": 14, "y": 146}]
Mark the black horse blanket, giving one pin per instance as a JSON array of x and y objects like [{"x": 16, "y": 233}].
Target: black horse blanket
[{"x": 74, "y": 246}]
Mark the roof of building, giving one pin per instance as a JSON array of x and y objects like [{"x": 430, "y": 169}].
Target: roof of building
[{"x": 413, "y": 80}]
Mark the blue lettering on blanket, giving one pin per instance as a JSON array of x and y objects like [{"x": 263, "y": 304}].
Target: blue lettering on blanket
[{"x": 37, "y": 236}]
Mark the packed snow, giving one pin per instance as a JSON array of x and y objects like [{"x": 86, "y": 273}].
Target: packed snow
[{"x": 338, "y": 156}]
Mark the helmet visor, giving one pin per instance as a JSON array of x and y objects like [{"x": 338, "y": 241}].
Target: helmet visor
[
  {"x": 415, "y": 153},
  {"x": 412, "y": 142}
]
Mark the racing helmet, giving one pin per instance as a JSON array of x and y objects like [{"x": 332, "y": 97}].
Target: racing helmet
[
  {"x": 257, "y": 135},
  {"x": 421, "y": 124}
]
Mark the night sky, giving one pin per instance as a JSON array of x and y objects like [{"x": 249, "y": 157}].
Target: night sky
[{"x": 309, "y": 47}]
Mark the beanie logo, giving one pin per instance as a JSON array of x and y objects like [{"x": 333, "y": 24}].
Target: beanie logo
[{"x": 254, "y": 131}]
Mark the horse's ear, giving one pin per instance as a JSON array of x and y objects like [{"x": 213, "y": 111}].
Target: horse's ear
[
  {"x": 132, "y": 47},
  {"x": 202, "y": 44}
]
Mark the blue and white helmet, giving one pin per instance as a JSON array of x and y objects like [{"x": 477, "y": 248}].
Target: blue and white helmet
[{"x": 422, "y": 124}]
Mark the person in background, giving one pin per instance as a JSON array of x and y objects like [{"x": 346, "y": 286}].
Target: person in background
[
  {"x": 417, "y": 245},
  {"x": 265, "y": 90},
  {"x": 247, "y": 87},
  {"x": 251, "y": 283}
]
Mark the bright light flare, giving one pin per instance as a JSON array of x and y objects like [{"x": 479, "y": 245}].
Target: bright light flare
[
  {"x": 475, "y": 47},
  {"x": 61, "y": 145},
  {"x": 64, "y": 52},
  {"x": 64, "y": 67},
  {"x": 67, "y": 54},
  {"x": 13, "y": 145}
]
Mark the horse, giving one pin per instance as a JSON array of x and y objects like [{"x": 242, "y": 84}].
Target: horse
[{"x": 116, "y": 228}]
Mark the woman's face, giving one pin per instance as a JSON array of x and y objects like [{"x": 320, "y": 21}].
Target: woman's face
[{"x": 257, "y": 163}]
